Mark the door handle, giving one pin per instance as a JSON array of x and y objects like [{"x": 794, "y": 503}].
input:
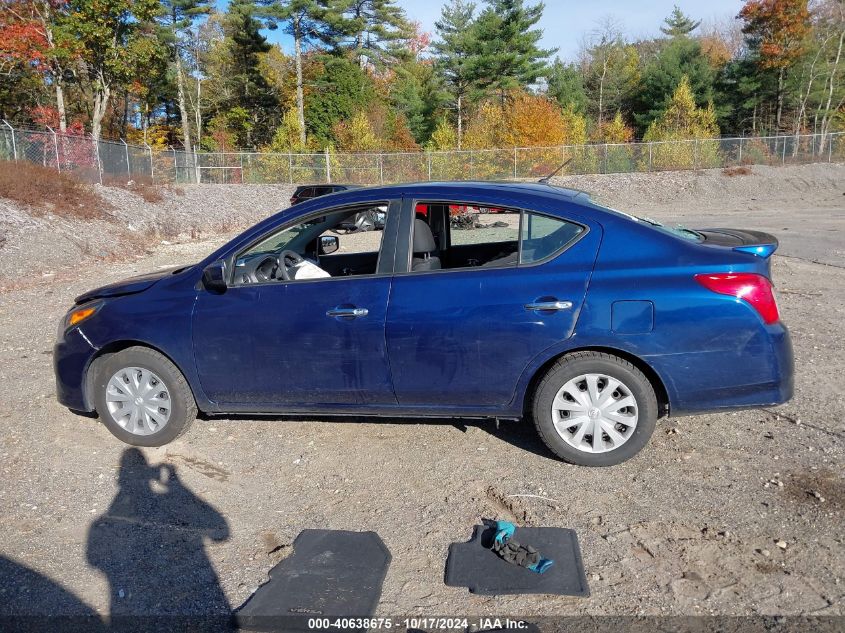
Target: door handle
[
  {"x": 549, "y": 305},
  {"x": 348, "y": 312}
]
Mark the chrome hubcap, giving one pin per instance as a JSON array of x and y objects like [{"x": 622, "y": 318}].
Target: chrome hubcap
[
  {"x": 138, "y": 400},
  {"x": 595, "y": 413}
]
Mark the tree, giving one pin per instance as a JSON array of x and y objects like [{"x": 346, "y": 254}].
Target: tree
[
  {"x": 683, "y": 120},
  {"x": 443, "y": 138},
  {"x": 615, "y": 131},
  {"x": 777, "y": 29},
  {"x": 306, "y": 21},
  {"x": 612, "y": 70},
  {"x": 32, "y": 39},
  {"x": 566, "y": 86},
  {"x": 341, "y": 90},
  {"x": 454, "y": 52},
  {"x": 178, "y": 17},
  {"x": 507, "y": 53},
  {"x": 288, "y": 136},
  {"x": 678, "y": 24},
  {"x": 681, "y": 57},
  {"x": 244, "y": 87},
  {"x": 416, "y": 93},
  {"x": 111, "y": 39},
  {"x": 376, "y": 26},
  {"x": 356, "y": 135}
]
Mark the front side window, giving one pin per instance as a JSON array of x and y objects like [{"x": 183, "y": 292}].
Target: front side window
[
  {"x": 338, "y": 244},
  {"x": 453, "y": 235}
]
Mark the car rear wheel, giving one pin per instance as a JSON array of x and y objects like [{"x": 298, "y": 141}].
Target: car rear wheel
[
  {"x": 142, "y": 397},
  {"x": 594, "y": 409}
]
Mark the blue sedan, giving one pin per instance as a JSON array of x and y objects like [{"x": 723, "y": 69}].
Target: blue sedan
[{"x": 493, "y": 300}]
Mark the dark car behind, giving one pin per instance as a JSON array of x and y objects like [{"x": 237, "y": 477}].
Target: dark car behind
[{"x": 306, "y": 192}]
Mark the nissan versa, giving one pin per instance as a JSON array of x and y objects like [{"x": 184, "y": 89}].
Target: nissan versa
[{"x": 590, "y": 322}]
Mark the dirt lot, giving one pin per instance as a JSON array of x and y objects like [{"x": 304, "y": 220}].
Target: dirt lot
[{"x": 730, "y": 514}]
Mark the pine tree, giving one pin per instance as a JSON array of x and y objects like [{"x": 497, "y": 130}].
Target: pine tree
[
  {"x": 566, "y": 86},
  {"x": 248, "y": 88},
  {"x": 681, "y": 57},
  {"x": 306, "y": 21},
  {"x": 376, "y": 27},
  {"x": 678, "y": 24},
  {"x": 454, "y": 51},
  {"x": 507, "y": 54},
  {"x": 177, "y": 18}
]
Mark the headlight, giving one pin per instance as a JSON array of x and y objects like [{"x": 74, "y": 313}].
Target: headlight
[{"x": 80, "y": 314}]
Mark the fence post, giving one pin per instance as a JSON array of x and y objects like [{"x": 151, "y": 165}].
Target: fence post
[
  {"x": 290, "y": 167},
  {"x": 605, "y": 158},
  {"x": 175, "y": 166},
  {"x": 56, "y": 145},
  {"x": 783, "y": 152},
  {"x": 829, "y": 146},
  {"x": 328, "y": 166},
  {"x": 96, "y": 143},
  {"x": 126, "y": 153},
  {"x": 14, "y": 145},
  {"x": 152, "y": 170},
  {"x": 649, "y": 155},
  {"x": 514, "y": 163},
  {"x": 740, "y": 150},
  {"x": 381, "y": 168},
  {"x": 695, "y": 154},
  {"x": 428, "y": 154}
]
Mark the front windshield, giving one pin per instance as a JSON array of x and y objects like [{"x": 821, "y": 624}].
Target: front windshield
[
  {"x": 278, "y": 242},
  {"x": 677, "y": 231}
]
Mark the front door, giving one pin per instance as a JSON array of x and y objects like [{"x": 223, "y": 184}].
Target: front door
[{"x": 314, "y": 342}]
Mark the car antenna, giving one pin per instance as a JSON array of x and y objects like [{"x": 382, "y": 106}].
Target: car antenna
[{"x": 545, "y": 179}]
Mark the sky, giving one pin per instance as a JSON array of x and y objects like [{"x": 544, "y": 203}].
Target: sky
[{"x": 566, "y": 22}]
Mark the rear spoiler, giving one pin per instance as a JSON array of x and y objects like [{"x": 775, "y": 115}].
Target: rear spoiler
[{"x": 744, "y": 241}]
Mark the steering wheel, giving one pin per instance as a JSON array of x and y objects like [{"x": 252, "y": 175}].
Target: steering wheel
[{"x": 287, "y": 261}]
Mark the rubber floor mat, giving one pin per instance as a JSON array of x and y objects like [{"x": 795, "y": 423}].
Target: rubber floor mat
[
  {"x": 330, "y": 574},
  {"x": 475, "y": 566}
]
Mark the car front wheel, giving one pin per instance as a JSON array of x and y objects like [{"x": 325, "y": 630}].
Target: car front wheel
[
  {"x": 142, "y": 397},
  {"x": 594, "y": 409}
]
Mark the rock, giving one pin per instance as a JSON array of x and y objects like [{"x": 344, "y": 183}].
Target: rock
[{"x": 781, "y": 544}]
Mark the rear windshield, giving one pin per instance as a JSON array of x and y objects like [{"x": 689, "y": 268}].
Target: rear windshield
[{"x": 677, "y": 231}]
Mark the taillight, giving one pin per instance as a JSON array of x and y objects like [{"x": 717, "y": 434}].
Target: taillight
[{"x": 752, "y": 288}]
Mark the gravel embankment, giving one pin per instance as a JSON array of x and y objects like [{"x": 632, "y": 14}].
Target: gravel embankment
[{"x": 33, "y": 246}]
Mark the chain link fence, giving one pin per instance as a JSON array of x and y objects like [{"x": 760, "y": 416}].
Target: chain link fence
[{"x": 112, "y": 161}]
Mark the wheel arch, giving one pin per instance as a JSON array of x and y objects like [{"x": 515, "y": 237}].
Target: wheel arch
[
  {"x": 648, "y": 371},
  {"x": 118, "y": 346}
]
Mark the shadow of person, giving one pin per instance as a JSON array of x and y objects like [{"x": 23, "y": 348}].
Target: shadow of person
[{"x": 150, "y": 544}]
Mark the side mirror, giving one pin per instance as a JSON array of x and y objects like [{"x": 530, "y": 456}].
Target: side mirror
[
  {"x": 329, "y": 244},
  {"x": 214, "y": 277}
]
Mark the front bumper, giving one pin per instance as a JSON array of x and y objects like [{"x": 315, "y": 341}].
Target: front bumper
[{"x": 72, "y": 355}]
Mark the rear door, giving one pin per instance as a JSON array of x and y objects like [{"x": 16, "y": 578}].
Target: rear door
[{"x": 462, "y": 336}]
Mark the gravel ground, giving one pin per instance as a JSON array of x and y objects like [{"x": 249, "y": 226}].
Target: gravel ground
[{"x": 729, "y": 514}]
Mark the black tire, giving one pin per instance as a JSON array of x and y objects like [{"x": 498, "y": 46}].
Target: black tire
[
  {"x": 580, "y": 363},
  {"x": 183, "y": 406}
]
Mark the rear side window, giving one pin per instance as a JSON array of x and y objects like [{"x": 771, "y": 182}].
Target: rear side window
[
  {"x": 542, "y": 236},
  {"x": 468, "y": 236}
]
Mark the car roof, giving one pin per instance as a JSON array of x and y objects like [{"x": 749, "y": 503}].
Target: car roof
[{"x": 513, "y": 193}]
